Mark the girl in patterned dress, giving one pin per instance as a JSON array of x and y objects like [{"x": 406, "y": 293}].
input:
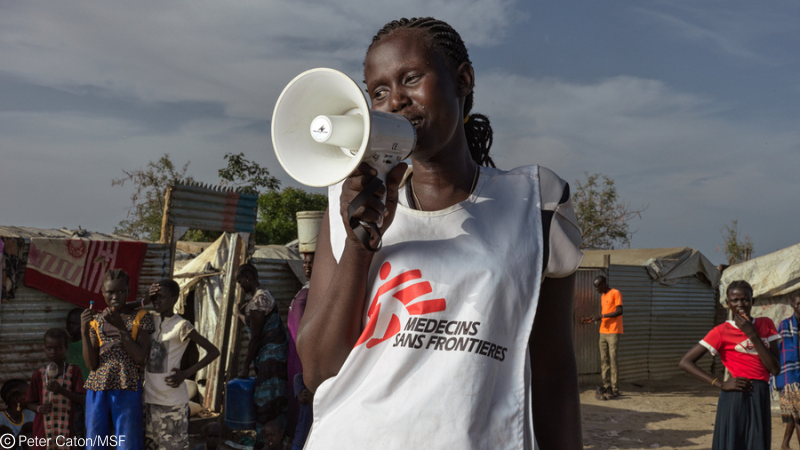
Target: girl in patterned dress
[
  {"x": 53, "y": 394},
  {"x": 115, "y": 347},
  {"x": 268, "y": 351}
]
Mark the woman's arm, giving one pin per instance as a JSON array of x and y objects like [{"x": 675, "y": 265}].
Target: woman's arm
[
  {"x": 689, "y": 365},
  {"x": 331, "y": 324},
  {"x": 554, "y": 377},
  {"x": 89, "y": 340},
  {"x": 138, "y": 349},
  {"x": 212, "y": 353},
  {"x": 54, "y": 386},
  {"x": 257, "y": 319},
  {"x": 769, "y": 357}
]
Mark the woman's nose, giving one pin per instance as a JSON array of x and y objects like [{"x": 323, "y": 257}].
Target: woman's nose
[{"x": 399, "y": 100}]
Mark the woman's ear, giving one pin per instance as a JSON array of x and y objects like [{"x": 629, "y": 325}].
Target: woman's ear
[{"x": 465, "y": 79}]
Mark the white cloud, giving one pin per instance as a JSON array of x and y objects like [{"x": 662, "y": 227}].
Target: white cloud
[
  {"x": 238, "y": 53},
  {"x": 674, "y": 151}
]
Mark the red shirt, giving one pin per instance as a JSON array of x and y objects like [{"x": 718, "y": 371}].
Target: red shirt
[{"x": 736, "y": 351}]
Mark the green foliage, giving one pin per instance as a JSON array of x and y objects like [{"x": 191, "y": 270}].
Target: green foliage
[
  {"x": 277, "y": 221},
  {"x": 603, "y": 218},
  {"x": 736, "y": 249},
  {"x": 147, "y": 202},
  {"x": 246, "y": 176}
]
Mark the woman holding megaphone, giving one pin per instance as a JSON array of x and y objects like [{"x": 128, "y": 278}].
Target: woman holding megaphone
[{"x": 455, "y": 331}]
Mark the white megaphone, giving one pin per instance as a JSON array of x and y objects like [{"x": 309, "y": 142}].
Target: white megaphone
[{"x": 322, "y": 129}]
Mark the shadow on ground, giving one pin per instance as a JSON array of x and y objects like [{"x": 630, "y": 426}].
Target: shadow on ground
[{"x": 613, "y": 427}]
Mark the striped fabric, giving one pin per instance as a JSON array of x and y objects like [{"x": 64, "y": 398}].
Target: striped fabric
[
  {"x": 73, "y": 269},
  {"x": 790, "y": 358}
]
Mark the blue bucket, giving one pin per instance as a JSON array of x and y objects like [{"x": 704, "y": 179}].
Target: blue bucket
[{"x": 240, "y": 409}]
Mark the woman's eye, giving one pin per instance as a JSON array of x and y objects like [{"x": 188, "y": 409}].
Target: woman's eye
[
  {"x": 412, "y": 79},
  {"x": 379, "y": 94}
]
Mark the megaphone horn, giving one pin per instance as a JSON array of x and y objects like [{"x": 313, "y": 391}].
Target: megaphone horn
[{"x": 322, "y": 129}]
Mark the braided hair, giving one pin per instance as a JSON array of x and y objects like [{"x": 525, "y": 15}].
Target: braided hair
[
  {"x": 742, "y": 285},
  {"x": 448, "y": 43},
  {"x": 117, "y": 274}
]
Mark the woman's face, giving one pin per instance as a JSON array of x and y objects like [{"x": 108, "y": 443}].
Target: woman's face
[
  {"x": 740, "y": 301},
  {"x": 163, "y": 301},
  {"x": 18, "y": 396},
  {"x": 55, "y": 350},
  {"x": 115, "y": 292},
  {"x": 406, "y": 76},
  {"x": 247, "y": 283}
]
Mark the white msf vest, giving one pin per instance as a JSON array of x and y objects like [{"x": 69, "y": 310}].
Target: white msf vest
[{"x": 442, "y": 362}]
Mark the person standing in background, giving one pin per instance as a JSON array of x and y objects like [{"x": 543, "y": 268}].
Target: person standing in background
[{"x": 610, "y": 328}]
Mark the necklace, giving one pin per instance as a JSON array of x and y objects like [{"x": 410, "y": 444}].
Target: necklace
[
  {"x": 16, "y": 422},
  {"x": 471, "y": 189}
]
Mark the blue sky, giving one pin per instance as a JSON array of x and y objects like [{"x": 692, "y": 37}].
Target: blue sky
[{"x": 691, "y": 106}]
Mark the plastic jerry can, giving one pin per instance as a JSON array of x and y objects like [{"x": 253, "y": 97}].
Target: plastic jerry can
[{"x": 240, "y": 409}]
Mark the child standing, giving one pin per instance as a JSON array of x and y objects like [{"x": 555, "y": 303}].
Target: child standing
[
  {"x": 115, "y": 348},
  {"x": 75, "y": 344},
  {"x": 55, "y": 391},
  {"x": 748, "y": 350},
  {"x": 166, "y": 396},
  {"x": 788, "y": 381}
]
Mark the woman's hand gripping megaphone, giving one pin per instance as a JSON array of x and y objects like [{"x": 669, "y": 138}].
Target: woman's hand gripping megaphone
[{"x": 368, "y": 205}]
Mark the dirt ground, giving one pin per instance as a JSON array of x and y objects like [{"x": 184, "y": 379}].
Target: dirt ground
[{"x": 673, "y": 414}]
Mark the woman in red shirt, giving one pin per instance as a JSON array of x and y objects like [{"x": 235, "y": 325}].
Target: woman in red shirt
[{"x": 748, "y": 348}]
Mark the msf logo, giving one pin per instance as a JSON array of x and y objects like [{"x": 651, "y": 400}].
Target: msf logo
[{"x": 413, "y": 287}]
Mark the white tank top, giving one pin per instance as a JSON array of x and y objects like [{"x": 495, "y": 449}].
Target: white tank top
[{"x": 442, "y": 362}]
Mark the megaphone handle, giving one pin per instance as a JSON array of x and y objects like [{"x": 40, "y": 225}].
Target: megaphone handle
[{"x": 364, "y": 231}]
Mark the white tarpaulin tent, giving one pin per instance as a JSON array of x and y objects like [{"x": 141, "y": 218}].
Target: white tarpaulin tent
[
  {"x": 774, "y": 277},
  {"x": 206, "y": 275}
]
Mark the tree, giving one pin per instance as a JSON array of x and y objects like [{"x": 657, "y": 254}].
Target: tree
[
  {"x": 246, "y": 176},
  {"x": 277, "y": 211},
  {"x": 276, "y": 224},
  {"x": 143, "y": 220},
  {"x": 603, "y": 218},
  {"x": 736, "y": 250}
]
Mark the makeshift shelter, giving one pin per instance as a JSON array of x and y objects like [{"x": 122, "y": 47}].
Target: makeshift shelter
[
  {"x": 26, "y": 313},
  {"x": 209, "y": 294},
  {"x": 774, "y": 277},
  {"x": 668, "y": 300}
]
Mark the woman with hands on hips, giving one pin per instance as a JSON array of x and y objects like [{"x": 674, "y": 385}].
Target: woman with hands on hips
[{"x": 748, "y": 348}]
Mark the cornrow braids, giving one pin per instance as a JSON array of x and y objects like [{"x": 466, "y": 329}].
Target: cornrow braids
[
  {"x": 741, "y": 285},
  {"x": 116, "y": 274},
  {"x": 447, "y": 42}
]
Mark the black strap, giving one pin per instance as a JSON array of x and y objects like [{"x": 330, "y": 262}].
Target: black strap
[{"x": 365, "y": 231}]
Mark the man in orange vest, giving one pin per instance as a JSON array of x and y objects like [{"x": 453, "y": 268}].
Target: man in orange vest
[{"x": 610, "y": 329}]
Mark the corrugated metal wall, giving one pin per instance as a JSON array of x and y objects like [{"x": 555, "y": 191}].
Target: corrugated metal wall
[
  {"x": 660, "y": 323},
  {"x": 585, "y": 336},
  {"x": 633, "y": 352},
  {"x": 682, "y": 314},
  {"x": 205, "y": 207},
  {"x": 24, "y": 320}
]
